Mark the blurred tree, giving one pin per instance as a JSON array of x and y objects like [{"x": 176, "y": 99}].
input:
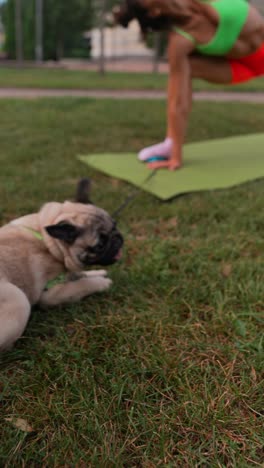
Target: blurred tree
[
  {"x": 100, "y": 9},
  {"x": 63, "y": 25},
  {"x": 8, "y": 18},
  {"x": 19, "y": 30},
  {"x": 39, "y": 30}
]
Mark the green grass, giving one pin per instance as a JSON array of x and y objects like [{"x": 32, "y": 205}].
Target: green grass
[
  {"x": 166, "y": 369},
  {"x": 76, "y": 79}
]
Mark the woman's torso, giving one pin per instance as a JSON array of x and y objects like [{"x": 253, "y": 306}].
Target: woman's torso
[{"x": 226, "y": 28}]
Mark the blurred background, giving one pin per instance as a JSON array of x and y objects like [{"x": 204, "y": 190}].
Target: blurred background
[
  {"x": 77, "y": 34},
  {"x": 73, "y": 34}
]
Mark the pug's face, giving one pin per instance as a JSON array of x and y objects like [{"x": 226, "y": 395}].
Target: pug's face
[{"x": 88, "y": 234}]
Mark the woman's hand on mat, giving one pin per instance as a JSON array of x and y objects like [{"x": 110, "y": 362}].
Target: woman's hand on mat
[
  {"x": 162, "y": 155},
  {"x": 170, "y": 164}
]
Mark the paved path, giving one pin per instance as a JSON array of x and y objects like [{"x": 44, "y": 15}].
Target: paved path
[{"x": 128, "y": 94}]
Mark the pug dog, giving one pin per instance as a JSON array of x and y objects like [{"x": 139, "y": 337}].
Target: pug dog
[{"x": 62, "y": 238}]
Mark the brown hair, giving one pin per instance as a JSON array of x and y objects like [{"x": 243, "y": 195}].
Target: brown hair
[{"x": 132, "y": 9}]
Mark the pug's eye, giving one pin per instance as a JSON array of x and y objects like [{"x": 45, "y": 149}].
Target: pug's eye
[{"x": 102, "y": 241}]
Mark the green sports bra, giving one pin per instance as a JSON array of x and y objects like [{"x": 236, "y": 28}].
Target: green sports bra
[{"x": 232, "y": 17}]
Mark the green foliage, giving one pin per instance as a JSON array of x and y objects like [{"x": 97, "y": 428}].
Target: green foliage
[
  {"x": 65, "y": 22},
  {"x": 8, "y": 17},
  {"x": 63, "y": 25},
  {"x": 29, "y": 28}
]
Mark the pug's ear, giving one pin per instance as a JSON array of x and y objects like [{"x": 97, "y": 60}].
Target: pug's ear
[
  {"x": 64, "y": 231},
  {"x": 83, "y": 191}
]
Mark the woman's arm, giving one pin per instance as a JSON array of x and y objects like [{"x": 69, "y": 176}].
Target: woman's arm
[
  {"x": 179, "y": 99},
  {"x": 179, "y": 95}
]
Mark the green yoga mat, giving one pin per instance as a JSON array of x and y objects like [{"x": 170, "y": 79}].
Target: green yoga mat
[{"x": 208, "y": 165}]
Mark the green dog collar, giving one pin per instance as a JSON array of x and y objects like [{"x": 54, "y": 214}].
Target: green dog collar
[
  {"x": 36, "y": 234},
  {"x": 61, "y": 278}
]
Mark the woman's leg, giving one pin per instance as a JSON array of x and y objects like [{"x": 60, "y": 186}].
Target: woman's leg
[{"x": 215, "y": 70}]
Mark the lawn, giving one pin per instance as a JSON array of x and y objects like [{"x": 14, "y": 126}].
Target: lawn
[
  {"x": 76, "y": 79},
  {"x": 166, "y": 369}
]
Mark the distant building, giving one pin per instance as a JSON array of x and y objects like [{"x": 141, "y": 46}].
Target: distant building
[{"x": 119, "y": 42}]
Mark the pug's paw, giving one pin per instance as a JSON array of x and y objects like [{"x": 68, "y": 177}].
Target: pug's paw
[
  {"x": 99, "y": 283},
  {"x": 94, "y": 273}
]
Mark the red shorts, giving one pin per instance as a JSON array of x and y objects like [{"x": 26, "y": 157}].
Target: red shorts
[{"x": 248, "y": 67}]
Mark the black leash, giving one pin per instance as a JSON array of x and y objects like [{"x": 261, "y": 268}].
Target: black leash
[{"x": 133, "y": 195}]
